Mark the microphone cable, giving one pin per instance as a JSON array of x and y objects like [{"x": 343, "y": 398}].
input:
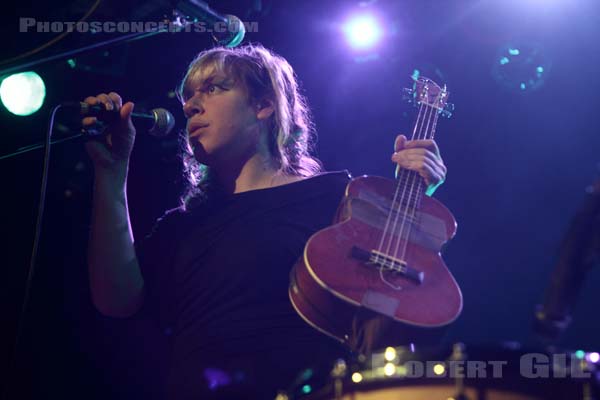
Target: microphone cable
[{"x": 13, "y": 365}]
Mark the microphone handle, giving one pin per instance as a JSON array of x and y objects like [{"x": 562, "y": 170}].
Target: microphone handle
[
  {"x": 145, "y": 121},
  {"x": 143, "y": 116},
  {"x": 157, "y": 122}
]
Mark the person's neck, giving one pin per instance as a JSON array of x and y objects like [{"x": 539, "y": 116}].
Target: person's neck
[{"x": 258, "y": 172}]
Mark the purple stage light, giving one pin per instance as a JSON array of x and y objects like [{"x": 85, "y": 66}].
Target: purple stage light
[{"x": 362, "y": 31}]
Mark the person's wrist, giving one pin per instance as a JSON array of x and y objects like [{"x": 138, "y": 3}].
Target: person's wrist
[{"x": 112, "y": 178}]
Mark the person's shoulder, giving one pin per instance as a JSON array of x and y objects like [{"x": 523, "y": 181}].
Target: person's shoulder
[
  {"x": 323, "y": 184},
  {"x": 344, "y": 173},
  {"x": 332, "y": 176},
  {"x": 330, "y": 180}
]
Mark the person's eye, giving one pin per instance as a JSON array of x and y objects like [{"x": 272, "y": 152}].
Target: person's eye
[{"x": 211, "y": 88}]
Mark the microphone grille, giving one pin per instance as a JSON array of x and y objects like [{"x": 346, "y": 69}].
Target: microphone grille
[{"x": 164, "y": 122}]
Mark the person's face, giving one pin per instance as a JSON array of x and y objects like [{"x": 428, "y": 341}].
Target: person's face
[{"x": 222, "y": 124}]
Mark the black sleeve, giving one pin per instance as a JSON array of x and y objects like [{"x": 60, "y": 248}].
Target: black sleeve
[{"x": 155, "y": 253}]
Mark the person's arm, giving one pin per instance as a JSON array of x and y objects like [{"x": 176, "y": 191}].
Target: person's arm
[{"x": 116, "y": 282}]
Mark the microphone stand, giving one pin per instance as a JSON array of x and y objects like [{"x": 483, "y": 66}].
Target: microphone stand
[
  {"x": 70, "y": 53},
  {"x": 181, "y": 21},
  {"x": 186, "y": 13},
  {"x": 5, "y": 391}
]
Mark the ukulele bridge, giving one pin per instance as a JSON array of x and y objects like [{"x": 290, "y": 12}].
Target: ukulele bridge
[{"x": 387, "y": 263}]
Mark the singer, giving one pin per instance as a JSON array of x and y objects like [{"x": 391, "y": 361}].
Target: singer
[{"x": 214, "y": 272}]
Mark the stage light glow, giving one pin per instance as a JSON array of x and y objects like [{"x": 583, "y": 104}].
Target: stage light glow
[
  {"x": 389, "y": 369},
  {"x": 439, "y": 369},
  {"x": 593, "y": 357},
  {"x": 23, "y": 93},
  {"x": 523, "y": 67},
  {"x": 390, "y": 354},
  {"x": 357, "y": 377},
  {"x": 362, "y": 31}
]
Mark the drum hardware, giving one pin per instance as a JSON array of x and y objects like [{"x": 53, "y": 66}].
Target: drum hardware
[{"x": 457, "y": 373}]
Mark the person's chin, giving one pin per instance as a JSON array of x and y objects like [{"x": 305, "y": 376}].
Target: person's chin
[
  {"x": 200, "y": 153},
  {"x": 205, "y": 155}
]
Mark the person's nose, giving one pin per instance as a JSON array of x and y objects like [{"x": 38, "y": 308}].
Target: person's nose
[{"x": 192, "y": 106}]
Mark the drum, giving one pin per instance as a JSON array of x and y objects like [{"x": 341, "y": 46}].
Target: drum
[{"x": 455, "y": 373}]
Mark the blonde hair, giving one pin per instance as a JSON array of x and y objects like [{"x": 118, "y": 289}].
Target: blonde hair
[{"x": 264, "y": 75}]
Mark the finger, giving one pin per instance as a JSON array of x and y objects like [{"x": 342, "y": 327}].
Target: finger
[
  {"x": 422, "y": 168},
  {"x": 116, "y": 99},
  {"x": 104, "y": 99},
  {"x": 436, "y": 169},
  {"x": 126, "y": 110},
  {"x": 399, "y": 142},
  {"x": 429, "y": 169},
  {"x": 415, "y": 154},
  {"x": 88, "y": 121},
  {"x": 416, "y": 164},
  {"x": 433, "y": 179},
  {"x": 91, "y": 100},
  {"x": 429, "y": 174},
  {"x": 428, "y": 144}
]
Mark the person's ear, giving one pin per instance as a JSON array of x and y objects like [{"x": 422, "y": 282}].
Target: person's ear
[{"x": 265, "y": 108}]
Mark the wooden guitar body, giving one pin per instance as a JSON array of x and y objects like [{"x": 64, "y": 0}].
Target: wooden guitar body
[{"x": 355, "y": 286}]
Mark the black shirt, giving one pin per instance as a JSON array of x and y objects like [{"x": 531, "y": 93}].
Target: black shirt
[{"x": 217, "y": 279}]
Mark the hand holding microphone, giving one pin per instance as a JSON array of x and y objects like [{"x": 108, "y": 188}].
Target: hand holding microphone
[
  {"x": 119, "y": 135},
  {"x": 112, "y": 153}
]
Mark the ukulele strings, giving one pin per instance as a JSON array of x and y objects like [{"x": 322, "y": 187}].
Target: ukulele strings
[
  {"x": 421, "y": 131},
  {"x": 405, "y": 200},
  {"x": 417, "y": 179},
  {"x": 421, "y": 117},
  {"x": 391, "y": 213}
]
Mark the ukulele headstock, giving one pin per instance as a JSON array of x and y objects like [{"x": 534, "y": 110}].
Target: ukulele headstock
[{"x": 426, "y": 92}]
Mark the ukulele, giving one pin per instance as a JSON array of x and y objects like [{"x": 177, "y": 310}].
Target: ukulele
[{"x": 376, "y": 276}]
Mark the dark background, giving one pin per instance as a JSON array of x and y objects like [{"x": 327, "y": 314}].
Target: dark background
[{"x": 519, "y": 160}]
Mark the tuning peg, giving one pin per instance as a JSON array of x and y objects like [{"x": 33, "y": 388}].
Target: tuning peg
[
  {"x": 447, "y": 110},
  {"x": 409, "y": 95}
]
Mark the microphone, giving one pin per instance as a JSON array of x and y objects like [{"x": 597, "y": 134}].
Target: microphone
[
  {"x": 158, "y": 122},
  {"x": 227, "y": 30}
]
